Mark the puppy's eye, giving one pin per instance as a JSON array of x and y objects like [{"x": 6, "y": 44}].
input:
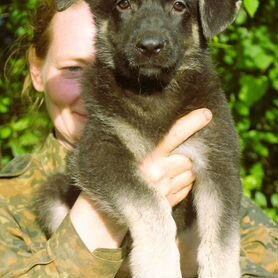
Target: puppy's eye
[
  {"x": 123, "y": 5},
  {"x": 179, "y": 7}
]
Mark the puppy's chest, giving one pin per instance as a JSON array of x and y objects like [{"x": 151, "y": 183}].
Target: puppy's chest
[
  {"x": 140, "y": 123},
  {"x": 141, "y": 142},
  {"x": 137, "y": 142}
]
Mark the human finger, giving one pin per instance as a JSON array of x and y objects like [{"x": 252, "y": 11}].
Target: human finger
[
  {"x": 181, "y": 181},
  {"x": 183, "y": 129},
  {"x": 176, "y": 198},
  {"x": 171, "y": 186},
  {"x": 166, "y": 167}
]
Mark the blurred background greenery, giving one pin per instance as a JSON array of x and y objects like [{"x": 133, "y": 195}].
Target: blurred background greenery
[{"x": 246, "y": 58}]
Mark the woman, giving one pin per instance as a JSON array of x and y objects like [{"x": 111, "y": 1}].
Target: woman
[{"x": 89, "y": 243}]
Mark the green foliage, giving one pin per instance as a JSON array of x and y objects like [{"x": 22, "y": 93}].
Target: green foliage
[
  {"x": 246, "y": 57},
  {"x": 21, "y": 126},
  {"x": 247, "y": 60},
  {"x": 251, "y": 6}
]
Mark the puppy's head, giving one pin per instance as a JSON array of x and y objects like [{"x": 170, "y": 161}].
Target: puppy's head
[{"x": 153, "y": 38}]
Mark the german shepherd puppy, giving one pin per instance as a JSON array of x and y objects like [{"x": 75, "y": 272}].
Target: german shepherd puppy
[{"x": 152, "y": 67}]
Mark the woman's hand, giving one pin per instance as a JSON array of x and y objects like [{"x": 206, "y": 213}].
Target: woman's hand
[{"x": 171, "y": 174}]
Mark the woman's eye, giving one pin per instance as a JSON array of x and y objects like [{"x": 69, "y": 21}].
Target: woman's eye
[{"x": 72, "y": 71}]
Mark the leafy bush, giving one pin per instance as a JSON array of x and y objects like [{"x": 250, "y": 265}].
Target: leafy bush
[
  {"x": 21, "y": 126},
  {"x": 246, "y": 57},
  {"x": 247, "y": 61}
]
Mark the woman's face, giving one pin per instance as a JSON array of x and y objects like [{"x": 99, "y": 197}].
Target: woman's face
[{"x": 58, "y": 75}]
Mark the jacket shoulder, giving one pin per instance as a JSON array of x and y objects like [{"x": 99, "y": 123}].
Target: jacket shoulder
[{"x": 16, "y": 167}]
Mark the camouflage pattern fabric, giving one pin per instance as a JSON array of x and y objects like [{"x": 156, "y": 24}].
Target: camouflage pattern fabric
[
  {"x": 24, "y": 249},
  {"x": 26, "y": 252}
]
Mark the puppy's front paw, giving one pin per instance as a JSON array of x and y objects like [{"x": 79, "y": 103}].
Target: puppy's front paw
[{"x": 157, "y": 264}]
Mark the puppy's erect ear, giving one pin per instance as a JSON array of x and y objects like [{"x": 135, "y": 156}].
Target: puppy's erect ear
[
  {"x": 63, "y": 4},
  {"x": 216, "y": 15}
]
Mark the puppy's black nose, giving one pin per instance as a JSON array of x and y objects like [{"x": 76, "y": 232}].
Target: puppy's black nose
[{"x": 150, "y": 45}]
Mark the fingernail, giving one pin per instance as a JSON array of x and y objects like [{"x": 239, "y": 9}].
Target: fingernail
[{"x": 207, "y": 113}]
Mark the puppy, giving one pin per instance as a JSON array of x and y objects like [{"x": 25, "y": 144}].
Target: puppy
[{"x": 152, "y": 67}]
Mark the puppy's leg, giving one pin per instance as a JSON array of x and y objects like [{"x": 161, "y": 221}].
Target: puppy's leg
[
  {"x": 218, "y": 253},
  {"x": 155, "y": 253},
  {"x": 53, "y": 201}
]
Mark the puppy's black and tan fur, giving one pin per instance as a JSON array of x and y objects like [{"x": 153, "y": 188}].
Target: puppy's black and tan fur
[{"x": 152, "y": 67}]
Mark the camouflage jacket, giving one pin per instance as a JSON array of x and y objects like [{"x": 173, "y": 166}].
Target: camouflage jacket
[{"x": 26, "y": 252}]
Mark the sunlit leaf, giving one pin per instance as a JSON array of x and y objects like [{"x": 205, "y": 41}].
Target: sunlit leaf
[
  {"x": 251, "y": 6},
  {"x": 252, "y": 89},
  {"x": 274, "y": 200},
  {"x": 260, "y": 199},
  {"x": 5, "y": 132}
]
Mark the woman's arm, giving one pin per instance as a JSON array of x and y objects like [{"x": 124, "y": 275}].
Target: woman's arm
[{"x": 24, "y": 252}]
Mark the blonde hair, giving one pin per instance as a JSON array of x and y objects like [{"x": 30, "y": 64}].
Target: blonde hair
[{"x": 39, "y": 42}]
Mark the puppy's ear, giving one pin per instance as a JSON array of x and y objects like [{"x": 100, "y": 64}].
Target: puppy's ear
[
  {"x": 216, "y": 15},
  {"x": 63, "y": 4}
]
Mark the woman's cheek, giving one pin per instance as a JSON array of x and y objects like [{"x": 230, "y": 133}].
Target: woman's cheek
[{"x": 63, "y": 92}]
